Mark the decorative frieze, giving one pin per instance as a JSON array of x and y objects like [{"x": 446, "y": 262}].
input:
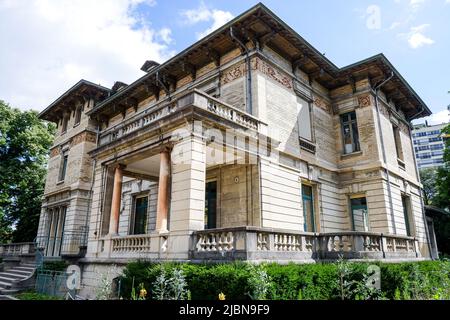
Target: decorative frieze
[
  {"x": 364, "y": 101},
  {"x": 54, "y": 152},
  {"x": 322, "y": 104},
  {"x": 240, "y": 70},
  {"x": 83, "y": 137}
]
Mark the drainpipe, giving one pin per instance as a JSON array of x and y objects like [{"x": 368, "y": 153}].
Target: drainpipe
[
  {"x": 94, "y": 164},
  {"x": 383, "y": 151},
  {"x": 249, "y": 73},
  {"x": 427, "y": 234}
]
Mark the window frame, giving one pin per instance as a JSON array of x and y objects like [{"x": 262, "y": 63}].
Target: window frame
[
  {"x": 311, "y": 125},
  {"x": 356, "y": 146},
  {"x": 408, "y": 215},
  {"x": 132, "y": 224},
  {"x": 366, "y": 215},
  {"x": 311, "y": 198},
  {"x": 78, "y": 114},
  {"x": 63, "y": 165},
  {"x": 65, "y": 124}
]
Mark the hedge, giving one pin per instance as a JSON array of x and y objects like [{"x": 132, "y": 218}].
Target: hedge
[{"x": 413, "y": 280}]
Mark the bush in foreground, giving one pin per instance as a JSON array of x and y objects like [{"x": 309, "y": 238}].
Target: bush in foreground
[{"x": 321, "y": 281}]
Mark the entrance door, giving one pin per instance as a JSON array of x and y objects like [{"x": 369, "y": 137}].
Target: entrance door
[
  {"x": 140, "y": 216},
  {"x": 360, "y": 217},
  {"x": 308, "y": 208},
  {"x": 210, "y": 205}
]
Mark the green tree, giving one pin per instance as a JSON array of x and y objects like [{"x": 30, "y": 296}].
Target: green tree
[
  {"x": 428, "y": 178},
  {"x": 442, "y": 197},
  {"x": 24, "y": 144}
]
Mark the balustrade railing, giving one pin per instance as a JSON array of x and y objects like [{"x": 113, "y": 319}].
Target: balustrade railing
[
  {"x": 262, "y": 243},
  {"x": 17, "y": 249},
  {"x": 159, "y": 111},
  {"x": 131, "y": 244}
]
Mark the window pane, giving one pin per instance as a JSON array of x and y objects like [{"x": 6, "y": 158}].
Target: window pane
[
  {"x": 355, "y": 136},
  {"x": 308, "y": 208},
  {"x": 405, "y": 201},
  {"x": 140, "y": 216},
  {"x": 359, "y": 214},
  {"x": 304, "y": 119}
]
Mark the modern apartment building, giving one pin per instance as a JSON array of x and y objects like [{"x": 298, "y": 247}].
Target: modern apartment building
[{"x": 429, "y": 145}]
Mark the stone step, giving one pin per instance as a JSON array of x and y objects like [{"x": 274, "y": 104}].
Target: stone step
[
  {"x": 29, "y": 269},
  {"x": 13, "y": 275},
  {"x": 4, "y": 285},
  {"x": 7, "y": 279},
  {"x": 20, "y": 272},
  {"x": 29, "y": 265}
]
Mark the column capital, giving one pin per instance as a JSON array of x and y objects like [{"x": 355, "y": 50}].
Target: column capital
[
  {"x": 166, "y": 148},
  {"x": 119, "y": 166}
]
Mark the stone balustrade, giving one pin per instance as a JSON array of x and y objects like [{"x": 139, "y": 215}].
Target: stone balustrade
[
  {"x": 251, "y": 243},
  {"x": 137, "y": 246},
  {"x": 160, "y": 111},
  {"x": 16, "y": 249}
]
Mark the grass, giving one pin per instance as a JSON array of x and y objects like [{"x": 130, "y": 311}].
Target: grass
[{"x": 32, "y": 295}]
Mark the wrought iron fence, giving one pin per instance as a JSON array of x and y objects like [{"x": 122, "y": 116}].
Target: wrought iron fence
[
  {"x": 71, "y": 243},
  {"x": 53, "y": 283}
]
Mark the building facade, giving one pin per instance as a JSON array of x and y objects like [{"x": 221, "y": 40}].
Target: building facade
[
  {"x": 429, "y": 145},
  {"x": 248, "y": 145}
]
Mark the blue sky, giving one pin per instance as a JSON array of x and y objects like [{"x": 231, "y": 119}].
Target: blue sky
[{"x": 52, "y": 44}]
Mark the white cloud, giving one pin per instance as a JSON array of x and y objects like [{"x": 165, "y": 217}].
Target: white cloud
[
  {"x": 416, "y": 4},
  {"x": 165, "y": 35},
  {"x": 416, "y": 37},
  {"x": 203, "y": 14},
  {"x": 395, "y": 25},
  {"x": 442, "y": 116},
  {"x": 50, "y": 45}
]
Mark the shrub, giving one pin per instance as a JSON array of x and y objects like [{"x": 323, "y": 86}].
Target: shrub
[
  {"x": 57, "y": 265},
  {"x": 238, "y": 280},
  {"x": 32, "y": 295}
]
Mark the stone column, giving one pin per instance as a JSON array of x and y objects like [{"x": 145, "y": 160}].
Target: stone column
[
  {"x": 162, "y": 208},
  {"x": 116, "y": 199}
]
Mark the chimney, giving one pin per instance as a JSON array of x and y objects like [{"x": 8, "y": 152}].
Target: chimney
[
  {"x": 149, "y": 65},
  {"x": 118, "y": 85}
]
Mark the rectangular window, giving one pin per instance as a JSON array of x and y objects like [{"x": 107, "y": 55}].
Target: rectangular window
[
  {"x": 350, "y": 132},
  {"x": 304, "y": 119},
  {"x": 211, "y": 205},
  {"x": 359, "y": 214},
  {"x": 139, "y": 225},
  {"x": 77, "y": 116},
  {"x": 64, "y": 124},
  {"x": 398, "y": 142},
  {"x": 308, "y": 208},
  {"x": 63, "y": 165},
  {"x": 406, "y": 201}
]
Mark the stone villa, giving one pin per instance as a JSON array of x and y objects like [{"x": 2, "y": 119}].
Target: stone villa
[{"x": 248, "y": 145}]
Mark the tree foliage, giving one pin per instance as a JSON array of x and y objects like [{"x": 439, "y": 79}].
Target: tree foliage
[
  {"x": 24, "y": 144},
  {"x": 428, "y": 178},
  {"x": 442, "y": 197}
]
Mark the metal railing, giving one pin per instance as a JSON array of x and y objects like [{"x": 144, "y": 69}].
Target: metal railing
[{"x": 71, "y": 243}]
